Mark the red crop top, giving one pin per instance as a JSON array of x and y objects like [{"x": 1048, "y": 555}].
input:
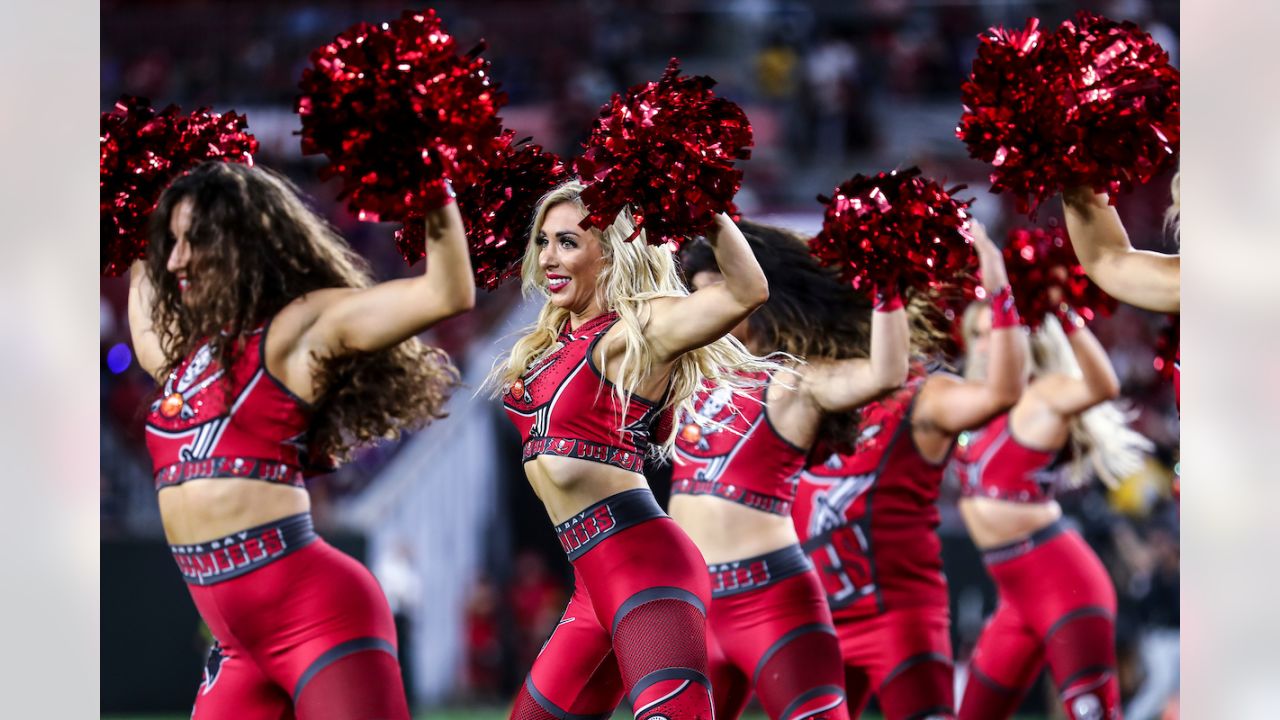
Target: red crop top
[
  {"x": 732, "y": 451},
  {"x": 564, "y": 406},
  {"x": 869, "y": 518},
  {"x": 992, "y": 463},
  {"x": 258, "y": 431}
]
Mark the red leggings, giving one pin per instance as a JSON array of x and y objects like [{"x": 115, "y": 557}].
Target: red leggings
[
  {"x": 775, "y": 637},
  {"x": 635, "y": 626},
  {"x": 904, "y": 657},
  {"x": 1056, "y": 605},
  {"x": 306, "y": 634}
]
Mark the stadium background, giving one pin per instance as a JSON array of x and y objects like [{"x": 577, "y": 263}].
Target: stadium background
[{"x": 445, "y": 518}]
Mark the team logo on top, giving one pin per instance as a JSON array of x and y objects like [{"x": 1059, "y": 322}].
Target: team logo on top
[
  {"x": 518, "y": 391},
  {"x": 178, "y": 389},
  {"x": 831, "y": 506}
]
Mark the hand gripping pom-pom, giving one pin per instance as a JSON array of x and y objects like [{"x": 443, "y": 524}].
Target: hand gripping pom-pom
[
  {"x": 496, "y": 211},
  {"x": 1095, "y": 103},
  {"x": 1045, "y": 274},
  {"x": 666, "y": 149},
  {"x": 397, "y": 110},
  {"x": 896, "y": 228},
  {"x": 141, "y": 152}
]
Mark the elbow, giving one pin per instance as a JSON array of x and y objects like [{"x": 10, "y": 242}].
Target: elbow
[
  {"x": 758, "y": 295},
  {"x": 1005, "y": 397},
  {"x": 463, "y": 301},
  {"x": 1108, "y": 389},
  {"x": 894, "y": 378}
]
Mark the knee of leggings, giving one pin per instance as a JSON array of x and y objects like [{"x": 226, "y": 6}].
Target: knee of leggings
[
  {"x": 660, "y": 642},
  {"x": 802, "y": 676},
  {"x": 672, "y": 693},
  {"x": 1080, "y": 649},
  {"x": 919, "y": 688},
  {"x": 1091, "y": 694},
  {"x": 659, "y": 630},
  {"x": 528, "y": 708}
]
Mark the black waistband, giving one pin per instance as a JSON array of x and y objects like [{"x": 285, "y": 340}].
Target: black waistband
[
  {"x": 618, "y": 512},
  {"x": 632, "y": 460},
  {"x": 739, "y": 576},
  {"x": 734, "y": 493},
  {"x": 232, "y": 466},
  {"x": 1018, "y": 548},
  {"x": 241, "y": 552}
]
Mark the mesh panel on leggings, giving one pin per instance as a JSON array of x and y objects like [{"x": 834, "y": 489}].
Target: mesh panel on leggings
[
  {"x": 809, "y": 661},
  {"x": 365, "y": 684},
  {"x": 526, "y": 708},
  {"x": 660, "y": 634}
]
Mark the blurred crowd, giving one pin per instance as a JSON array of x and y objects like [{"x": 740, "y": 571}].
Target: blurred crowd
[{"x": 831, "y": 87}]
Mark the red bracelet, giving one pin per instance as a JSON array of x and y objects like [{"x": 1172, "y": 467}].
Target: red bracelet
[
  {"x": 885, "y": 298},
  {"x": 438, "y": 194},
  {"x": 1004, "y": 313},
  {"x": 1068, "y": 318}
]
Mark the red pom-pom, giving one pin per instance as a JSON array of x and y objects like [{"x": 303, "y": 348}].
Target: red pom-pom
[
  {"x": 1095, "y": 103},
  {"x": 666, "y": 149},
  {"x": 497, "y": 210},
  {"x": 396, "y": 109},
  {"x": 896, "y": 227},
  {"x": 141, "y": 152},
  {"x": 1044, "y": 273}
]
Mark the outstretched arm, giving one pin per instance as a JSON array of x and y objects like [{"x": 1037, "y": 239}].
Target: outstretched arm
[
  {"x": 678, "y": 325},
  {"x": 1145, "y": 279},
  {"x": 951, "y": 405},
  {"x": 349, "y": 320},
  {"x": 835, "y": 386},
  {"x": 146, "y": 343},
  {"x": 1067, "y": 395}
]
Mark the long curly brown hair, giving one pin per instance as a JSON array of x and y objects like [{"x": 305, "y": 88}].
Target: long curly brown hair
[
  {"x": 256, "y": 247},
  {"x": 810, "y": 314}
]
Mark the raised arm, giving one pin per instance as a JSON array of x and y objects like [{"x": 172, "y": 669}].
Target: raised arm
[
  {"x": 951, "y": 405},
  {"x": 1148, "y": 280},
  {"x": 842, "y": 385},
  {"x": 1067, "y": 395},
  {"x": 146, "y": 343},
  {"x": 678, "y": 325},
  {"x": 349, "y": 320}
]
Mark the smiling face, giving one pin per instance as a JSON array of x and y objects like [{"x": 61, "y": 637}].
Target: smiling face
[
  {"x": 571, "y": 260},
  {"x": 179, "y": 261}
]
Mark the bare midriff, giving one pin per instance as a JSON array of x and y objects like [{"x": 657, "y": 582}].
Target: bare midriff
[
  {"x": 993, "y": 523},
  {"x": 568, "y": 486},
  {"x": 201, "y": 510},
  {"x": 726, "y": 531}
]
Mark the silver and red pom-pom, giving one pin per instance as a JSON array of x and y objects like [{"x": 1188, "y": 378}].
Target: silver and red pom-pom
[
  {"x": 1045, "y": 274},
  {"x": 497, "y": 210},
  {"x": 396, "y": 110},
  {"x": 667, "y": 150},
  {"x": 896, "y": 229},
  {"x": 140, "y": 152},
  {"x": 1093, "y": 103}
]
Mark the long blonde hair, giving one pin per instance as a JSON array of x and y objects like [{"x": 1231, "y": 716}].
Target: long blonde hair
[
  {"x": 634, "y": 273},
  {"x": 1099, "y": 438}
]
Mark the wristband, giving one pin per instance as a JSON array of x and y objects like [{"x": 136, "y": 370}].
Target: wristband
[
  {"x": 885, "y": 298},
  {"x": 1004, "y": 313},
  {"x": 1068, "y": 318},
  {"x": 438, "y": 193}
]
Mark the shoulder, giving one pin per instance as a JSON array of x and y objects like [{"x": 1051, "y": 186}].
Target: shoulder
[{"x": 289, "y": 327}]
